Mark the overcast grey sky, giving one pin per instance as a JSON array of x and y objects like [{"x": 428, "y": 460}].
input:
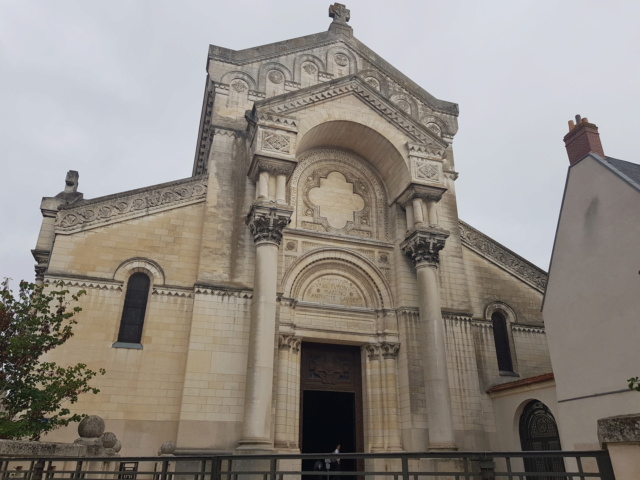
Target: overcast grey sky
[{"x": 114, "y": 89}]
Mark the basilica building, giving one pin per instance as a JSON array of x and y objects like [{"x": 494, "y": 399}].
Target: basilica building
[{"x": 310, "y": 283}]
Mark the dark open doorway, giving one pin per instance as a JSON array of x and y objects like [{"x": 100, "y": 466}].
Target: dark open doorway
[
  {"x": 329, "y": 419},
  {"x": 331, "y": 403}
]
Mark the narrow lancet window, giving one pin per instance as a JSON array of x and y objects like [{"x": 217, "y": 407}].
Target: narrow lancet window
[
  {"x": 135, "y": 305},
  {"x": 501, "y": 338}
]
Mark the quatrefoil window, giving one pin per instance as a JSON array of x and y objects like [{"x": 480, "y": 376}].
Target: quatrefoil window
[{"x": 336, "y": 200}]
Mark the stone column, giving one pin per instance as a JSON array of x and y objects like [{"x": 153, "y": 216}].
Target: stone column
[
  {"x": 266, "y": 224},
  {"x": 390, "y": 382},
  {"x": 423, "y": 246},
  {"x": 374, "y": 394},
  {"x": 286, "y": 391}
]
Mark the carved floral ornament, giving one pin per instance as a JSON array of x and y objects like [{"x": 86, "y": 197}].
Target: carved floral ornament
[
  {"x": 423, "y": 246},
  {"x": 267, "y": 223}
]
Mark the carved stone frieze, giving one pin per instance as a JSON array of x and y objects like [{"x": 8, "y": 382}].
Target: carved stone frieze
[
  {"x": 423, "y": 246},
  {"x": 358, "y": 86},
  {"x": 223, "y": 292},
  {"x": 113, "y": 208},
  {"x": 429, "y": 149},
  {"x": 503, "y": 257},
  {"x": 268, "y": 119},
  {"x": 267, "y": 223}
]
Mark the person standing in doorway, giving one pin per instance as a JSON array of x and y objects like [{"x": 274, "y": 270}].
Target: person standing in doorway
[{"x": 333, "y": 463}]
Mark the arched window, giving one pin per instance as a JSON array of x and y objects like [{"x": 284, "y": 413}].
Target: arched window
[
  {"x": 538, "y": 431},
  {"x": 501, "y": 339},
  {"x": 135, "y": 305}
]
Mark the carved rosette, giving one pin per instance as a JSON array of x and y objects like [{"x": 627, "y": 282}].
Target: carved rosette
[
  {"x": 267, "y": 223},
  {"x": 423, "y": 246}
]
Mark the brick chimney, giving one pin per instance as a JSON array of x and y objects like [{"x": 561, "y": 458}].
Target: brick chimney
[{"x": 583, "y": 137}]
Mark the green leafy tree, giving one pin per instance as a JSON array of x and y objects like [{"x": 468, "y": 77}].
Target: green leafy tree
[
  {"x": 634, "y": 384},
  {"x": 32, "y": 390}
]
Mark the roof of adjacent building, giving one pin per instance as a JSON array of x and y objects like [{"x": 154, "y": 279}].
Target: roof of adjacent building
[{"x": 630, "y": 172}]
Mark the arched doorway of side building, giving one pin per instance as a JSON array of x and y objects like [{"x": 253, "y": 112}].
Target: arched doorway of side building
[
  {"x": 331, "y": 402},
  {"x": 539, "y": 432}
]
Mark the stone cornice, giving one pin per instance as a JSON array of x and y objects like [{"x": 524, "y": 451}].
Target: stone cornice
[
  {"x": 88, "y": 283},
  {"x": 135, "y": 203},
  {"x": 503, "y": 257},
  {"x": 351, "y": 85},
  {"x": 222, "y": 291}
]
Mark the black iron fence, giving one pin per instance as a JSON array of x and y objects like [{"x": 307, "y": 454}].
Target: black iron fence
[{"x": 395, "y": 466}]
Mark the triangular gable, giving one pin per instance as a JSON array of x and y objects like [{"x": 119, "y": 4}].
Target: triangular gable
[
  {"x": 100, "y": 211},
  {"x": 291, "y": 102},
  {"x": 299, "y": 45}
]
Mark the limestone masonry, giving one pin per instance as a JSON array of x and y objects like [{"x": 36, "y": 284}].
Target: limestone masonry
[{"x": 312, "y": 267}]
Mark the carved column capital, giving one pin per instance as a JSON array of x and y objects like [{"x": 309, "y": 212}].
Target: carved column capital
[
  {"x": 423, "y": 246},
  {"x": 373, "y": 351},
  {"x": 389, "y": 350},
  {"x": 289, "y": 342},
  {"x": 267, "y": 223}
]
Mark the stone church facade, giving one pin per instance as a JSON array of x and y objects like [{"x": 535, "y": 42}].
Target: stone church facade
[{"x": 312, "y": 275}]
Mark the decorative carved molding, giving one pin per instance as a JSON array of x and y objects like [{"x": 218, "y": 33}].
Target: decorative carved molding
[
  {"x": 87, "y": 284},
  {"x": 136, "y": 203},
  {"x": 528, "y": 328},
  {"x": 423, "y": 246},
  {"x": 205, "y": 135},
  {"x": 429, "y": 149},
  {"x": 222, "y": 291},
  {"x": 172, "y": 292},
  {"x": 503, "y": 257},
  {"x": 358, "y": 86},
  {"x": 267, "y": 223},
  {"x": 268, "y": 119}
]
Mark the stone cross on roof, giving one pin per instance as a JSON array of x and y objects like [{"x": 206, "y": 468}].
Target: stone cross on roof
[{"x": 340, "y": 13}]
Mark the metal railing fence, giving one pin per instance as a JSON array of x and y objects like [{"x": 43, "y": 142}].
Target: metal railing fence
[{"x": 547, "y": 465}]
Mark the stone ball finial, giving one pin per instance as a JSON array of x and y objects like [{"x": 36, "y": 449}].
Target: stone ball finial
[
  {"x": 167, "y": 448},
  {"x": 108, "y": 439},
  {"x": 91, "y": 426}
]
